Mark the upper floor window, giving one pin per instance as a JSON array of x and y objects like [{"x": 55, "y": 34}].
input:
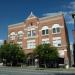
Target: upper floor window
[
  {"x": 12, "y": 36},
  {"x": 31, "y": 33},
  {"x": 31, "y": 30},
  {"x": 20, "y": 35},
  {"x": 45, "y": 30},
  {"x": 56, "y": 28}
]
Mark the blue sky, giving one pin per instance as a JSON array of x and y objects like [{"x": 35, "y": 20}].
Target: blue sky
[{"x": 15, "y": 11}]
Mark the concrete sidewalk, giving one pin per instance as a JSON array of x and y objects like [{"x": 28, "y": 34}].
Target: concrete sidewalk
[{"x": 33, "y": 68}]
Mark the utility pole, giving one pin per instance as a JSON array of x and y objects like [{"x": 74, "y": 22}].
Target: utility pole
[{"x": 73, "y": 16}]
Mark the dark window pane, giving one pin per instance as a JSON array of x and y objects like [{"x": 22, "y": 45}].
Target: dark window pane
[
  {"x": 58, "y": 29},
  {"x": 59, "y": 44},
  {"x": 46, "y": 31},
  {"x": 33, "y": 32},
  {"x": 43, "y": 32},
  {"x": 54, "y": 30}
]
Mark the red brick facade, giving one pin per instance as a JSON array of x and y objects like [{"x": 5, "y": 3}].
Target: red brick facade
[{"x": 34, "y": 30}]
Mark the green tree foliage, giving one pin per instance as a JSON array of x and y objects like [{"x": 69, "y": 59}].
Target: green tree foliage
[
  {"x": 12, "y": 53},
  {"x": 46, "y": 52}
]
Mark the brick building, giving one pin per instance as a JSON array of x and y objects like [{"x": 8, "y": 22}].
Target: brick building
[{"x": 34, "y": 31}]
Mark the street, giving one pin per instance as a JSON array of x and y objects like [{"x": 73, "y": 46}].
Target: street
[{"x": 24, "y": 71}]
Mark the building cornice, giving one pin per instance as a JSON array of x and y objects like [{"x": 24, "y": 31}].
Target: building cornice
[
  {"x": 48, "y": 17},
  {"x": 17, "y": 24}
]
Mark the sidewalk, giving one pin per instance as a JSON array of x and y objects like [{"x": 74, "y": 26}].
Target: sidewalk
[{"x": 33, "y": 68}]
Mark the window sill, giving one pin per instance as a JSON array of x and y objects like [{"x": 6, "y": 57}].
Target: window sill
[
  {"x": 31, "y": 37},
  {"x": 29, "y": 48},
  {"x": 57, "y": 46},
  {"x": 56, "y": 33},
  {"x": 46, "y": 35}
]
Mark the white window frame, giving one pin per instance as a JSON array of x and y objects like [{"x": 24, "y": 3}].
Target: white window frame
[
  {"x": 12, "y": 36},
  {"x": 45, "y": 41},
  {"x": 56, "y": 26},
  {"x": 31, "y": 44},
  {"x": 20, "y": 35},
  {"x": 31, "y": 29},
  {"x": 57, "y": 41},
  {"x": 45, "y": 28},
  {"x": 20, "y": 44}
]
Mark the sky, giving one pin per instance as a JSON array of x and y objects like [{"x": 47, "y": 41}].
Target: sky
[{"x": 15, "y": 11}]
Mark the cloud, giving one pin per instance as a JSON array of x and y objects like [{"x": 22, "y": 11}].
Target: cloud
[
  {"x": 52, "y": 14},
  {"x": 72, "y": 5},
  {"x": 70, "y": 8},
  {"x": 67, "y": 15},
  {"x": 67, "y": 11}
]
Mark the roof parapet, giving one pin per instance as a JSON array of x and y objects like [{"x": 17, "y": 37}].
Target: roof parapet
[
  {"x": 50, "y": 15},
  {"x": 17, "y": 24}
]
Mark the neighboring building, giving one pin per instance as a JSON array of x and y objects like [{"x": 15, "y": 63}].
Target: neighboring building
[
  {"x": 72, "y": 57},
  {"x": 34, "y": 31}
]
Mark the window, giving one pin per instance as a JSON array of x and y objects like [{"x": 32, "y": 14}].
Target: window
[
  {"x": 20, "y": 44},
  {"x": 12, "y": 36},
  {"x": 31, "y": 33},
  {"x": 56, "y": 28},
  {"x": 57, "y": 42},
  {"x": 45, "y": 41},
  {"x": 31, "y": 30},
  {"x": 45, "y": 30},
  {"x": 20, "y": 35},
  {"x": 31, "y": 44}
]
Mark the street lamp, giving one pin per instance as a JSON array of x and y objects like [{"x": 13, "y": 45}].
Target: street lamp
[{"x": 73, "y": 16}]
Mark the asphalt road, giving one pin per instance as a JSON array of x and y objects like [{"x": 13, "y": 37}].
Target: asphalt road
[{"x": 23, "y": 71}]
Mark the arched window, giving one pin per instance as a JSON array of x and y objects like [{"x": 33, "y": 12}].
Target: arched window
[
  {"x": 20, "y": 35},
  {"x": 56, "y": 28},
  {"x": 12, "y": 36},
  {"x": 45, "y": 30}
]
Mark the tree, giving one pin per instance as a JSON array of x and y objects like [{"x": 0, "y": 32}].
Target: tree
[
  {"x": 12, "y": 53},
  {"x": 46, "y": 53}
]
